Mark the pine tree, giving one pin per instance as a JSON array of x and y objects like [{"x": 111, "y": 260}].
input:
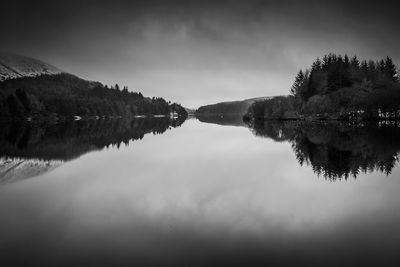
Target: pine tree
[
  {"x": 325, "y": 62},
  {"x": 311, "y": 87},
  {"x": 364, "y": 67},
  {"x": 355, "y": 63},
  {"x": 390, "y": 69},
  {"x": 316, "y": 66},
  {"x": 346, "y": 61},
  {"x": 298, "y": 82},
  {"x": 381, "y": 65}
]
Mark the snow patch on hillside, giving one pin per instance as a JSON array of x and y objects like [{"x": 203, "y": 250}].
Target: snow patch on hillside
[{"x": 15, "y": 66}]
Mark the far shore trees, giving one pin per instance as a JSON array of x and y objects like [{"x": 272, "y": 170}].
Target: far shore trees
[
  {"x": 338, "y": 87},
  {"x": 65, "y": 96}
]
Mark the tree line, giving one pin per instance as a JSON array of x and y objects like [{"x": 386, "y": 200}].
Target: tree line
[
  {"x": 337, "y": 87},
  {"x": 65, "y": 96}
]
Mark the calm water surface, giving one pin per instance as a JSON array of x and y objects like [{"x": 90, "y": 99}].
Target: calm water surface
[{"x": 201, "y": 194}]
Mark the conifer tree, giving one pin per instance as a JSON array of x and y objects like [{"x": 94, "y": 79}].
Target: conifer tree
[
  {"x": 355, "y": 63},
  {"x": 346, "y": 61},
  {"x": 390, "y": 69},
  {"x": 317, "y": 65},
  {"x": 298, "y": 82},
  {"x": 364, "y": 67}
]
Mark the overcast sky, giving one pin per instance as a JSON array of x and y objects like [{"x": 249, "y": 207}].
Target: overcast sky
[{"x": 197, "y": 52}]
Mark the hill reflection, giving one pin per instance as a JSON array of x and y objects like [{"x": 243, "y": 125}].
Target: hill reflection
[
  {"x": 227, "y": 120},
  {"x": 27, "y": 150},
  {"x": 336, "y": 150}
]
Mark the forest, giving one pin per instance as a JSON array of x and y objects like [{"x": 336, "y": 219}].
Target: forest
[
  {"x": 229, "y": 108},
  {"x": 339, "y": 88},
  {"x": 63, "y": 96}
]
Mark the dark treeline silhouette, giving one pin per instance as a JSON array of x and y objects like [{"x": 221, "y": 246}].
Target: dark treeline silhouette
[
  {"x": 337, "y": 150},
  {"x": 65, "y": 95},
  {"x": 229, "y": 108},
  {"x": 337, "y": 87},
  {"x": 70, "y": 139}
]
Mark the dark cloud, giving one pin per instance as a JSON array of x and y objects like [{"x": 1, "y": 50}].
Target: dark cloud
[{"x": 197, "y": 52}]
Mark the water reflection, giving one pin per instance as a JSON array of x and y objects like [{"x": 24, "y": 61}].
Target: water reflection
[
  {"x": 337, "y": 150},
  {"x": 28, "y": 150},
  {"x": 226, "y": 120},
  {"x": 200, "y": 195}
]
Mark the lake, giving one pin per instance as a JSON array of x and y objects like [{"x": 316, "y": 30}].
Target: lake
[{"x": 152, "y": 192}]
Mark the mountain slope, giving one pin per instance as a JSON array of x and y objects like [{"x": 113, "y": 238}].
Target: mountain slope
[
  {"x": 15, "y": 66},
  {"x": 34, "y": 90},
  {"x": 231, "y": 108}
]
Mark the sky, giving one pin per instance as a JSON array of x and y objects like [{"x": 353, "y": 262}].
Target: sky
[{"x": 197, "y": 52}]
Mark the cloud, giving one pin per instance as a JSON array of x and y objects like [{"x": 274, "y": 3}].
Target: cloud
[{"x": 194, "y": 52}]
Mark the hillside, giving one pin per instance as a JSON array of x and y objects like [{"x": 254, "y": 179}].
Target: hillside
[
  {"x": 36, "y": 90},
  {"x": 190, "y": 111},
  {"x": 231, "y": 108},
  {"x": 15, "y": 66}
]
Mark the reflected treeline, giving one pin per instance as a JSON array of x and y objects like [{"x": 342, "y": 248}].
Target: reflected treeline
[
  {"x": 336, "y": 150},
  {"x": 230, "y": 120},
  {"x": 69, "y": 140}
]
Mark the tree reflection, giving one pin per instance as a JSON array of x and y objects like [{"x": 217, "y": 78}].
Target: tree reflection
[
  {"x": 230, "y": 120},
  {"x": 337, "y": 150},
  {"x": 28, "y": 150},
  {"x": 69, "y": 140}
]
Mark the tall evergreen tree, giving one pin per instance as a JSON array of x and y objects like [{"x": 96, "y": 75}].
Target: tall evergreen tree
[
  {"x": 325, "y": 62},
  {"x": 364, "y": 67},
  {"x": 390, "y": 69},
  {"x": 355, "y": 63},
  {"x": 381, "y": 65},
  {"x": 346, "y": 61},
  {"x": 317, "y": 65},
  {"x": 298, "y": 82},
  {"x": 311, "y": 87}
]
